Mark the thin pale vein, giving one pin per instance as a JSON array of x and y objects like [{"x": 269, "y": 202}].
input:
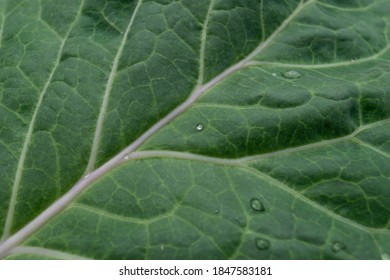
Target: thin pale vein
[
  {"x": 2, "y": 15},
  {"x": 131, "y": 220},
  {"x": 315, "y": 205},
  {"x": 182, "y": 155},
  {"x": 262, "y": 20},
  {"x": 320, "y": 144},
  {"x": 203, "y": 44},
  {"x": 47, "y": 253},
  {"x": 107, "y": 92},
  {"x": 323, "y": 65},
  {"x": 372, "y": 148},
  {"x": 22, "y": 158}
]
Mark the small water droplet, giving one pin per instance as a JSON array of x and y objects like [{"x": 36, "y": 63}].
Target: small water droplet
[
  {"x": 199, "y": 127},
  {"x": 216, "y": 211},
  {"x": 385, "y": 256},
  {"x": 262, "y": 244},
  {"x": 274, "y": 74},
  {"x": 162, "y": 247},
  {"x": 86, "y": 176},
  {"x": 126, "y": 157},
  {"x": 257, "y": 205},
  {"x": 291, "y": 74},
  {"x": 338, "y": 246}
]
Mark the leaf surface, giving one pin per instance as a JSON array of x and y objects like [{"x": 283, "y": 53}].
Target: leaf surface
[{"x": 194, "y": 129}]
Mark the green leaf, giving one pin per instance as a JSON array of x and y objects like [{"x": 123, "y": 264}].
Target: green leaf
[{"x": 218, "y": 129}]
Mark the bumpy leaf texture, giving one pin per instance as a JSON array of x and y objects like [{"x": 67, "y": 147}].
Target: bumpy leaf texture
[{"x": 213, "y": 129}]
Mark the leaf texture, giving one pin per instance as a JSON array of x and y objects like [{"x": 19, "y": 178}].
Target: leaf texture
[{"x": 210, "y": 129}]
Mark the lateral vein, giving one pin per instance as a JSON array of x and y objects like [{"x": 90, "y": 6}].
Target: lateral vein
[
  {"x": 19, "y": 171},
  {"x": 106, "y": 97},
  {"x": 47, "y": 253},
  {"x": 203, "y": 44},
  {"x": 2, "y": 14}
]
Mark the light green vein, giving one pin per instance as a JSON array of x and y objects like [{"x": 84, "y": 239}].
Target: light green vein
[
  {"x": 107, "y": 92},
  {"x": 187, "y": 156},
  {"x": 313, "y": 204},
  {"x": 262, "y": 20},
  {"x": 316, "y": 66},
  {"x": 110, "y": 23},
  {"x": 372, "y": 148},
  {"x": 2, "y": 15},
  {"x": 203, "y": 44},
  {"x": 47, "y": 253},
  {"x": 20, "y": 167},
  {"x": 357, "y": 9},
  {"x": 182, "y": 155},
  {"x": 348, "y": 137},
  {"x": 132, "y": 220}
]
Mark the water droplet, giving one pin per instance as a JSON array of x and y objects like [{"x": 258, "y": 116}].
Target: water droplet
[
  {"x": 86, "y": 176},
  {"x": 262, "y": 244},
  {"x": 216, "y": 211},
  {"x": 291, "y": 74},
  {"x": 338, "y": 246},
  {"x": 126, "y": 157},
  {"x": 274, "y": 74},
  {"x": 385, "y": 256},
  {"x": 257, "y": 205},
  {"x": 162, "y": 247},
  {"x": 199, "y": 127}
]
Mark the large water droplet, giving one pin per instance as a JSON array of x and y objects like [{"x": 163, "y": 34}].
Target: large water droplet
[
  {"x": 385, "y": 256},
  {"x": 199, "y": 127},
  {"x": 257, "y": 205},
  {"x": 291, "y": 74},
  {"x": 262, "y": 244},
  {"x": 338, "y": 246}
]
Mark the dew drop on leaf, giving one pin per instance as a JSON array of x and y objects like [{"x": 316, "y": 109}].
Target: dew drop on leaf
[
  {"x": 262, "y": 244},
  {"x": 338, "y": 246},
  {"x": 291, "y": 74},
  {"x": 257, "y": 205},
  {"x": 216, "y": 211},
  {"x": 199, "y": 127},
  {"x": 274, "y": 74}
]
